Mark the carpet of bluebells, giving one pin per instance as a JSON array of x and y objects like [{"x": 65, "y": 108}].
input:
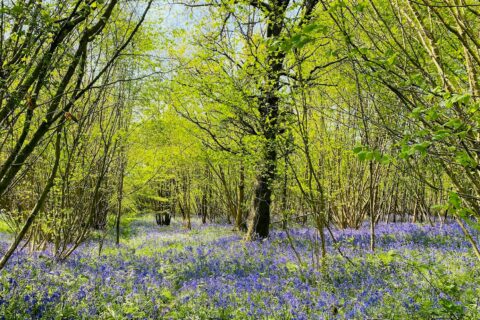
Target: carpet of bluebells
[{"x": 418, "y": 272}]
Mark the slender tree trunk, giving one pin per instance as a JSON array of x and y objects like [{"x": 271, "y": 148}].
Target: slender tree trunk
[
  {"x": 120, "y": 197},
  {"x": 38, "y": 205},
  {"x": 469, "y": 237},
  {"x": 284, "y": 192},
  {"x": 370, "y": 164},
  {"x": 241, "y": 196},
  {"x": 372, "y": 209}
]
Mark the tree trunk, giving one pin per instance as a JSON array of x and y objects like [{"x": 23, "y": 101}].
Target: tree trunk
[
  {"x": 260, "y": 211},
  {"x": 241, "y": 196},
  {"x": 284, "y": 193},
  {"x": 120, "y": 198},
  {"x": 269, "y": 111},
  {"x": 262, "y": 195},
  {"x": 38, "y": 205}
]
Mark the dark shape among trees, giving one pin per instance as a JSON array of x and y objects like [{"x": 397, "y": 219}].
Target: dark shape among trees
[
  {"x": 165, "y": 206},
  {"x": 163, "y": 219}
]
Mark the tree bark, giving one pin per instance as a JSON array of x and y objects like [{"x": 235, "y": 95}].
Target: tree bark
[
  {"x": 241, "y": 196},
  {"x": 260, "y": 211},
  {"x": 269, "y": 113},
  {"x": 120, "y": 197}
]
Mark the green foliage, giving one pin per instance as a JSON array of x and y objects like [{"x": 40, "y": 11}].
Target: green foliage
[
  {"x": 5, "y": 227},
  {"x": 308, "y": 34},
  {"x": 366, "y": 154},
  {"x": 388, "y": 257}
]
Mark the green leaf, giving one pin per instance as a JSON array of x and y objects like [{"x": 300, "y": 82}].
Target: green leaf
[
  {"x": 315, "y": 28},
  {"x": 292, "y": 267},
  {"x": 464, "y": 98},
  {"x": 432, "y": 115},
  {"x": 362, "y": 155},
  {"x": 454, "y": 200},
  {"x": 377, "y": 155},
  {"x": 388, "y": 257},
  {"x": 386, "y": 159},
  {"x": 357, "y": 149},
  {"x": 17, "y": 9},
  {"x": 422, "y": 147},
  {"x": 392, "y": 59},
  {"x": 441, "y": 134},
  {"x": 418, "y": 111},
  {"x": 465, "y": 160},
  {"x": 454, "y": 123},
  {"x": 167, "y": 294},
  {"x": 360, "y": 7},
  {"x": 370, "y": 155}
]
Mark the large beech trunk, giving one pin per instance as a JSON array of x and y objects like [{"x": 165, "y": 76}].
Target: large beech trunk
[
  {"x": 262, "y": 196},
  {"x": 260, "y": 211}
]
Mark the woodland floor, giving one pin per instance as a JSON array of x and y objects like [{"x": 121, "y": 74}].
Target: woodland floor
[{"x": 418, "y": 272}]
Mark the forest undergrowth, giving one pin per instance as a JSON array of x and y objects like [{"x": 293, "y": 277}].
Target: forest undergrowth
[{"x": 417, "y": 272}]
